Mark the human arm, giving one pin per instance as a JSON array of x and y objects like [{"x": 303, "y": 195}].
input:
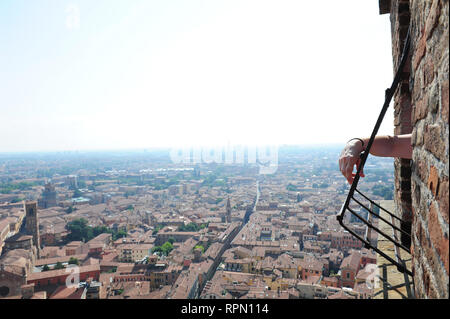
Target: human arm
[{"x": 383, "y": 146}]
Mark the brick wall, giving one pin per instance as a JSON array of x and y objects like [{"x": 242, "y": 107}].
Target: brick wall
[
  {"x": 400, "y": 18},
  {"x": 422, "y": 184},
  {"x": 429, "y": 176}
]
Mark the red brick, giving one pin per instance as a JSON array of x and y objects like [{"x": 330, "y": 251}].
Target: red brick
[
  {"x": 443, "y": 196},
  {"x": 422, "y": 169},
  {"x": 420, "y": 51},
  {"x": 444, "y": 101},
  {"x": 419, "y": 110},
  {"x": 433, "y": 141},
  {"x": 433, "y": 180},
  {"x": 426, "y": 280},
  {"x": 437, "y": 236},
  {"x": 428, "y": 70},
  {"x": 416, "y": 193},
  {"x": 432, "y": 18}
]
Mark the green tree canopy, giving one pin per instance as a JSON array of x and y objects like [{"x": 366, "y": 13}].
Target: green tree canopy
[
  {"x": 73, "y": 261},
  {"x": 200, "y": 247},
  {"x": 81, "y": 231},
  {"x": 59, "y": 265},
  {"x": 166, "y": 248}
]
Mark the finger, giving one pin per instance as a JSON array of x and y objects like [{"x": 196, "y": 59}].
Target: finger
[
  {"x": 348, "y": 173},
  {"x": 350, "y": 180},
  {"x": 358, "y": 164}
]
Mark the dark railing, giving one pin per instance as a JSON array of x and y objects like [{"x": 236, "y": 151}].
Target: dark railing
[{"x": 365, "y": 204}]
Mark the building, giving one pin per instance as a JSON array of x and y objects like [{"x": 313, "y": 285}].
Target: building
[
  {"x": 349, "y": 269},
  {"x": 58, "y": 277},
  {"x": 421, "y": 108},
  {"x": 48, "y": 198},
  {"x": 228, "y": 215},
  {"x": 4, "y": 231},
  {"x": 32, "y": 223},
  {"x": 11, "y": 280},
  {"x": 18, "y": 241},
  {"x": 71, "y": 182},
  {"x": 134, "y": 252}
]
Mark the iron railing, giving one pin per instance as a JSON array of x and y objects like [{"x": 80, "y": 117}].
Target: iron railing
[{"x": 357, "y": 198}]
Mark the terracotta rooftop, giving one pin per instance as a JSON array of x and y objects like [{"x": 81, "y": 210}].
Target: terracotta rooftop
[{"x": 60, "y": 272}]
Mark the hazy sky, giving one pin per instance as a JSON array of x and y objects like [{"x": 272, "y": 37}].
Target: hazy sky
[{"x": 106, "y": 74}]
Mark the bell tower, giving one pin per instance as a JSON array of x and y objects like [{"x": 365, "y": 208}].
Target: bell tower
[
  {"x": 32, "y": 224},
  {"x": 228, "y": 219}
]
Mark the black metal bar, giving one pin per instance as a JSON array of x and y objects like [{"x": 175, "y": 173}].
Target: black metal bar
[
  {"x": 378, "y": 231},
  {"x": 387, "y": 286},
  {"x": 390, "y": 224},
  {"x": 389, "y": 94},
  {"x": 381, "y": 207},
  {"x": 368, "y": 234},
  {"x": 403, "y": 269},
  {"x": 402, "y": 262},
  {"x": 385, "y": 283},
  {"x": 396, "y": 251},
  {"x": 353, "y": 188}
]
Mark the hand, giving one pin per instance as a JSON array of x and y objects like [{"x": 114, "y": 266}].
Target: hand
[{"x": 349, "y": 158}]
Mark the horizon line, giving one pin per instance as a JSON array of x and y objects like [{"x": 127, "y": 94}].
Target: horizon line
[{"x": 164, "y": 148}]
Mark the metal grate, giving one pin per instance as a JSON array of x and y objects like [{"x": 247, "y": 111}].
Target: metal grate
[{"x": 357, "y": 200}]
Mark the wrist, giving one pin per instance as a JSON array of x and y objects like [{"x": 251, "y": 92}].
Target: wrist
[{"x": 358, "y": 141}]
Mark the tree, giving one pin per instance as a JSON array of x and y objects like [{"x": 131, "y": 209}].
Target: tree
[
  {"x": 73, "y": 261},
  {"x": 77, "y": 193},
  {"x": 59, "y": 265},
  {"x": 291, "y": 187},
  {"x": 100, "y": 230},
  {"x": 119, "y": 234},
  {"x": 156, "y": 230},
  {"x": 171, "y": 240},
  {"x": 166, "y": 248},
  {"x": 45, "y": 268},
  {"x": 157, "y": 249},
  {"x": 191, "y": 227},
  {"x": 78, "y": 229},
  {"x": 383, "y": 191},
  {"x": 200, "y": 247}
]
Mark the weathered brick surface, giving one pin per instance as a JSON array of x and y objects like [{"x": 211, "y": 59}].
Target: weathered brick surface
[
  {"x": 433, "y": 180},
  {"x": 434, "y": 141},
  {"x": 400, "y": 17},
  {"x": 444, "y": 101},
  {"x": 443, "y": 198},
  {"x": 439, "y": 239},
  {"x": 427, "y": 91},
  {"x": 429, "y": 98}
]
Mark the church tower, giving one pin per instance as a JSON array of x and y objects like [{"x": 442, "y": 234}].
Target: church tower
[
  {"x": 228, "y": 211},
  {"x": 32, "y": 223}
]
